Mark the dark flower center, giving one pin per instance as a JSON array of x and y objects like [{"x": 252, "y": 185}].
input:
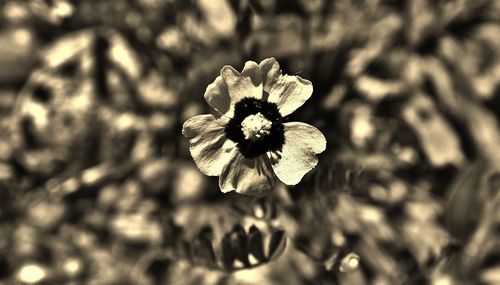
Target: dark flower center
[{"x": 271, "y": 142}]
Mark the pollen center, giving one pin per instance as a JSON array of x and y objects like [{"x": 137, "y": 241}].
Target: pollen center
[{"x": 256, "y": 126}]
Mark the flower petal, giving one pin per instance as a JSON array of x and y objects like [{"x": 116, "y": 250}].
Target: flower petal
[
  {"x": 241, "y": 85},
  {"x": 252, "y": 70},
  {"x": 287, "y": 91},
  {"x": 217, "y": 96},
  {"x": 209, "y": 147},
  {"x": 270, "y": 69},
  {"x": 247, "y": 176},
  {"x": 302, "y": 142},
  {"x": 231, "y": 86}
]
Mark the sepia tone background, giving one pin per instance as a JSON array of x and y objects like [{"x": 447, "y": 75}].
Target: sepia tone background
[{"x": 97, "y": 185}]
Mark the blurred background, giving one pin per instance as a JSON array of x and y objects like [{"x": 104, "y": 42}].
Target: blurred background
[{"x": 97, "y": 185}]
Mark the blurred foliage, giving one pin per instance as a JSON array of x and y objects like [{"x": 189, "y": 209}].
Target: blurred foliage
[{"x": 97, "y": 185}]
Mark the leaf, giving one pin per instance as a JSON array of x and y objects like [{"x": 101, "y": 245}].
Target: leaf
[
  {"x": 277, "y": 244},
  {"x": 437, "y": 138},
  {"x": 238, "y": 239},
  {"x": 202, "y": 250},
  {"x": 468, "y": 191},
  {"x": 491, "y": 275},
  {"x": 255, "y": 244},
  {"x": 228, "y": 244},
  {"x": 228, "y": 255}
]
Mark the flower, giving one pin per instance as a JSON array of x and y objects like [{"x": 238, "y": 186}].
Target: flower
[{"x": 248, "y": 142}]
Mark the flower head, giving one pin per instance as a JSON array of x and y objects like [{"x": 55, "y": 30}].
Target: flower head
[{"x": 248, "y": 143}]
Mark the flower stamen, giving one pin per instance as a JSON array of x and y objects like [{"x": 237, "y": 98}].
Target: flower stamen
[{"x": 256, "y": 126}]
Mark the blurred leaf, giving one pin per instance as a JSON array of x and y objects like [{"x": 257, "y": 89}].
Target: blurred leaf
[
  {"x": 202, "y": 250},
  {"x": 239, "y": 250},
  {"x": 276, "y": 245},
  {"x": 228, "y": 255},
  {"x": 468, "y": 191},
  {"x": 491, "y": 275},
  {"x": 485, "y": 131},
  {"x": 238, "y": 240},
  {"x": 17, "y": 48},
  {"x": 255, "y": 244},
  {"x": 437, "y": 138},
  {"x": 219, "y": 16}
]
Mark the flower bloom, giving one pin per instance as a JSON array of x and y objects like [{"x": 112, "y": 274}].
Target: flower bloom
[{"x": 248, "y": 142}]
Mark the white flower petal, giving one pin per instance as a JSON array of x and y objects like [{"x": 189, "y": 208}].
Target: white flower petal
[
  {"x": 217, "y": 96},
  {"x": 287, "y": 91},
  {"x": 241, "y": 85},
  {"x": 209, "y": 147},
  {"x": 252, "y": 70},
  {"x": 247, "y": 176},
  {"x": 298, "y": 156},
  {"x": 231, "y": 86},
  {"x": 270, "y": 69}
]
